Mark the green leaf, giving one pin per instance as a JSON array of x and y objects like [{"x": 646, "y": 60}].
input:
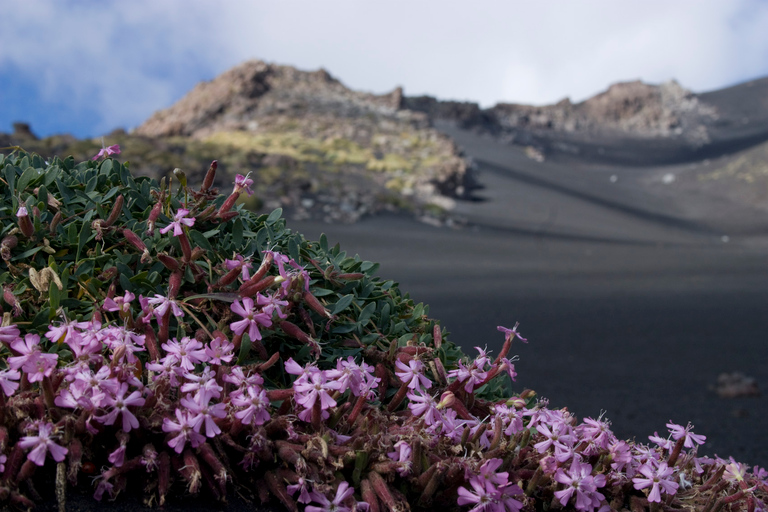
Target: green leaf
[
  {"x": 321, "y": 292},
  {"x": 10, "y": 177},
  {"x": 342, "y": 304},
  {"x": 274, "y": 216},
  {"x": 324, "y": 242},
  {"x": 245, "y": 349},
  {"x": 85, "y": 234},
  {"x": 237, "y": 232},
  {"x": 26, "y": 178},
  {"x": 41, "y": 319},
  {"x": 293, "y": 249},
  {"x": 106, "y": 167},
  {"x": 200, "y": 240},
  {"x": 384, "y": 318},
  {"x": 344, "y": 328},
  {"x": 54, "y": 297},
  {"x": 27, "y": 254},
  {"x": 365, "y": 314}
]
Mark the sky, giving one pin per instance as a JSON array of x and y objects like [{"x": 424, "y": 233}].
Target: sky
[{"x": 88, "y": 67}]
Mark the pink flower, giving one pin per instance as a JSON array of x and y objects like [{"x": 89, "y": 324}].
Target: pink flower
[
  {"x": 251, "y": 319},
  {"x": 204, "y": 412},
  {"x": 317, "y": 387},
  {"x": 343, "y": 492},
  {"x": 244, "y": 264},
  {"x": 178, "y": 220},
  {"x": 117, "y": 457},
  {"x": 412, "y": 374},
  {"x": 483, "y": 497},
  {"x": 162, "y": 304},
  {"x": 9, "y": 334},
  {"x": 656, "y": 478},
  {"x": 41, "y": 367},
  {"x": 186, "y": 431},
  {"x": 402, "y": 455},
  {"x": 423, "y": 405},
  {"x": 255, "y": 403},
  {"x": 579, "y": 480},
  {"x": 120, "y": 403},
  {"x": 120, "y": 304},
  {"x": 691, "y": 439},
  {"x": 302, "y": 487},
  {"x": 108, "y": 151},
  {"x": 272, "y": 304},
  {"x": 42, "y": 444},
  {"x": 511, "y": 333},
  {"x": 243, "y": 182},
  {"x": 29, "y": 348},
  {"x": 187, "y": 351},
  {"x": 204, "y": 382},
  {"x": 219, "y": 351},
  {"x": 8, "y": 380}
]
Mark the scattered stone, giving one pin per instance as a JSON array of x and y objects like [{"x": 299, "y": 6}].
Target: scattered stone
[{"x": 734, "y": 385}]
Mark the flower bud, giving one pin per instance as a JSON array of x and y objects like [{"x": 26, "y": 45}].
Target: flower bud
[
  {"x": 117, "y": 208},
  {"x": 170, "y": 263},
  {"x": 9, "y": 242},
  {"x": 55, "y": 223},
  {"x": 447, "y": 399},
  {"x": 181, "y": 176},
  {"x": 209, "y": 176},
  {"x": 25, "y": 223}
]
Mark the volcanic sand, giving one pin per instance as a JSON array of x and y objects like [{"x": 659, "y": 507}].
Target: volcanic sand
[{"x": 634, "y": 295}]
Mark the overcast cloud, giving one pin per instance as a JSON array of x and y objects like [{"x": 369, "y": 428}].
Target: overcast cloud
[{"x": 89, "y": 67}]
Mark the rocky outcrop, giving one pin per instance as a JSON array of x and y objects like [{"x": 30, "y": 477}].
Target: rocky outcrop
[
  {"x": 256, "y": 91},
  {"x": 628, "y": 109},
  {"x": 359, "y": 151}
]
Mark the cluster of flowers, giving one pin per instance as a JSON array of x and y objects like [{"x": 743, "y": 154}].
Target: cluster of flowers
[
  {"x": 577, "y": 459},
  {"x": 331, "y": 434}
]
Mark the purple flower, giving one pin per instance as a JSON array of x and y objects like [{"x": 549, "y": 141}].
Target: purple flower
[
  {"x": 117, "y": 457},
  {"x": 162, "y": 304},
  {"x": 255, "y": 403},
  {"x": 41, "y": 444},
  {"x": 185, "y": 431},
  {"x": 412, "y": 374},
  {"x": 108, "y": 151},
  {"x": 29, "y": 348},
  {"x": 243, "y": 182},
  {"x": 244, "y": 264},
  {"x": 120, "y": 403},
  {"x": 691, "y": 439},
  {"x": 423, "y": 405},
  {"x": 204, "y": 412},
  {"x": 9, "y": 334},
  {"x": 302, "y": 487},
  {"x": 579, "y": 481},
  {"x": 343, "y": 492},
  {"x": 204, "y": 382},
  {"x": 511, "y": 333},
  {"x": 658, "y": 479},
  {"x": 120, "y": 304},
  {"x": 251, "y": 319},
  {"x": 402, "y": 455},
  {"x": 188, "y": 352},
  {"x": 316, "y": 388},
  {"x": 481, "y": 497},
  {"x": 219, "y": 351},
  {"x": 8, "y": 381},
  {"x": 178, "y": 220}
]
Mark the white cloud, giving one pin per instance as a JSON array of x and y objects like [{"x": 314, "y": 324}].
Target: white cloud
[{"x": 127, "y": 59}]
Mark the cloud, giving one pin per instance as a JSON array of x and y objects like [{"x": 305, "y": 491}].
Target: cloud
[{"x": 117, "y": 62}]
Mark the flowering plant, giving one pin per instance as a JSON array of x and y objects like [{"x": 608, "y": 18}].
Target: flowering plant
[{"x": 206, "y": 347}]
